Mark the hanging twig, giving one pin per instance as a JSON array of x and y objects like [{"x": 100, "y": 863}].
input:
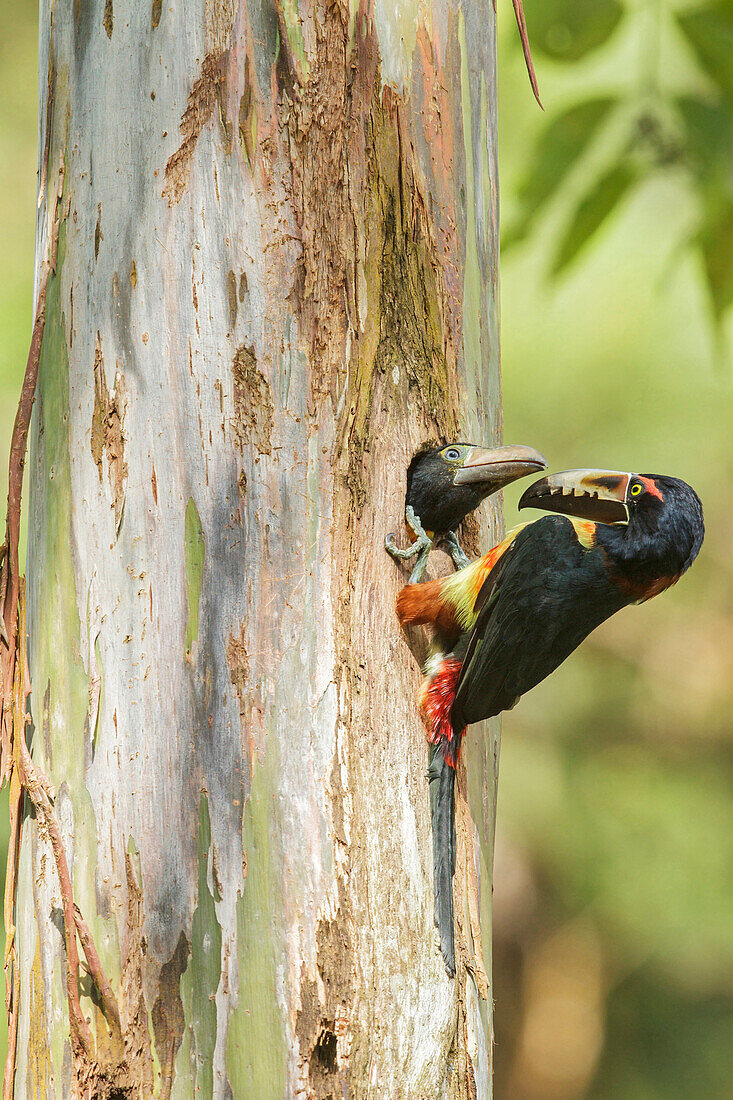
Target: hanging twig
[{"x": 519, "y": 13}]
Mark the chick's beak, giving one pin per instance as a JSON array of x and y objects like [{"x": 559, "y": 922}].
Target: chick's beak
[
  {"x": 495, "y": 467},
  {"x": 597, "y": 495}
]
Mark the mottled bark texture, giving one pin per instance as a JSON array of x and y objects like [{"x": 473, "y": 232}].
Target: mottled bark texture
[{"x": 276, "y": 279}]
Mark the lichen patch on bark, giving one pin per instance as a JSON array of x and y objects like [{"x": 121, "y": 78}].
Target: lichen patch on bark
[
  {"x": 40, "y": 1068},
  {"x": 253, "y": 404},
  {"x": 203, "y": 976},
  {"x": 195, "y": 552}
]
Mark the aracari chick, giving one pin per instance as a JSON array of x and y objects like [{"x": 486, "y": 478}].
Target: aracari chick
[{"x": 447, "y": 483}]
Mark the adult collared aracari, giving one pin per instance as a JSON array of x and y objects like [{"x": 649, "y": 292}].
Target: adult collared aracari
[
  {"x": 509, "y": 619},
  {"x": 448, "y": 482}
]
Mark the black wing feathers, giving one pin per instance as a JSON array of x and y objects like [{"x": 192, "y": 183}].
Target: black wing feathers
[{"x": 547, "y": 594}]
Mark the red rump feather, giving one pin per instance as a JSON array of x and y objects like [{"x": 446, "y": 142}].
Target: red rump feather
[{"x": 437, "y": 696}]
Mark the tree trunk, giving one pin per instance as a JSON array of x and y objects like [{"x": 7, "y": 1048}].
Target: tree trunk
[{"x": 277, "y": 277}]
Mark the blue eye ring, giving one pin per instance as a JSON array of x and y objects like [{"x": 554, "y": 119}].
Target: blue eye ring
[{"x": 452, "y": 454}]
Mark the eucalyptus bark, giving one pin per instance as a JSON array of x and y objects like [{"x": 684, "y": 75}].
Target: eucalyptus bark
[{"x": 276, "y": 278}]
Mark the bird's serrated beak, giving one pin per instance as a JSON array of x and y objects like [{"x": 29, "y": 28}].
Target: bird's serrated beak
[
  {"x": 498, "y": 466},
  {"x": 597, "y": 495}
]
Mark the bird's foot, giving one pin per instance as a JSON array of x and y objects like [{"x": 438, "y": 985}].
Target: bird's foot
[
  {"x": 400, "y": 555},
  {"x": 454, "y": 548},
  {"x": 420, "y": 547}
]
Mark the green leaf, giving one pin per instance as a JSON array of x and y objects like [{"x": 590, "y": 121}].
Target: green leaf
[
  {"x": 559, "y": 145},
  {"x": 592, "y": 212},
  {"x": 708, "y": 128},
  {"x": 569, "y": 29},
  {"x": 716, "y": 243},
  {"x": 709, "y": 31}
]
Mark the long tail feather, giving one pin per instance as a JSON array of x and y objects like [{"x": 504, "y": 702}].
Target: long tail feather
[{"x": 442, "y": 808}]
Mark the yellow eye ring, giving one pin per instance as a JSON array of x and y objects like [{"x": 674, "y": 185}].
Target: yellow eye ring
[{"x": 635, "y": 490}]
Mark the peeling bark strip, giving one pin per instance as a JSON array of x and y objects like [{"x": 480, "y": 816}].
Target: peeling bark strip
[
  {"x": 253, "y": 405},
  {"x": 198, "y": 113},
  {"x": 281, "y": 244}
]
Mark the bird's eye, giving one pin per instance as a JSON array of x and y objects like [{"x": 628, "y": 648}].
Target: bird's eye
[
  {"x": 452, "y": 454},
  {"x": 636, "y": 489}
]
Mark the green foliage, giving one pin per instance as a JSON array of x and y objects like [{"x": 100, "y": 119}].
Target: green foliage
[
  {"x": 645, "y": 129},
  {"x": 560, "y": 143},
  {"x": 614, "y": 817},
  {"x": 709, "y": 30},
  {"x": 592, "y": 211},
  {"x": 569, "y": 29}
]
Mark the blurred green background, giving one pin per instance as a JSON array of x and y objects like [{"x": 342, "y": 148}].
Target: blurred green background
[
  {"x": 614, "y": 863},
  {"x": 614, "y": 874}
]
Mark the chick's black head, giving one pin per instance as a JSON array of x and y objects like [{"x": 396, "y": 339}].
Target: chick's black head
[{"x": 445, "y": 484}]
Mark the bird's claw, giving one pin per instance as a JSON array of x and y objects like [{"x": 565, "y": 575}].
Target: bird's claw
[
  {"x": 454, "y": 548},
  {"x": 420, "y": 547},
  {"x": 402, "y": 555}
]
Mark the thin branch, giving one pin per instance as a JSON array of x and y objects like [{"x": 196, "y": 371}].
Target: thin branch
[
  {"x": 12, "y": 714},
  {"x": 40, "y": 793},
  {"x": 100, "y": 979},
  {"x": 18, "y": 446}
]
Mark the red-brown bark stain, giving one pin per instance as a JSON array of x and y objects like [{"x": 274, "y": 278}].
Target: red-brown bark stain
[
  {"x": 201, "y": 102},
  {"x": 322, "y": 1007},
  {"x": 98, "y": 234},
  {"x": 248, "y": 115},
  {"x": 168, "y": 1015},
  {"x": 317, "y": 123},
  {"x": 232, "y": 295},
  {"x": 109, "y": 17},
  {"x": 253, "y": 404},
  {"x": 156, "y": 13},
  {"x": 107, "y": 430},
  {"x": 136, "y": 1028},
  {"x": 238, "y": 665}
]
